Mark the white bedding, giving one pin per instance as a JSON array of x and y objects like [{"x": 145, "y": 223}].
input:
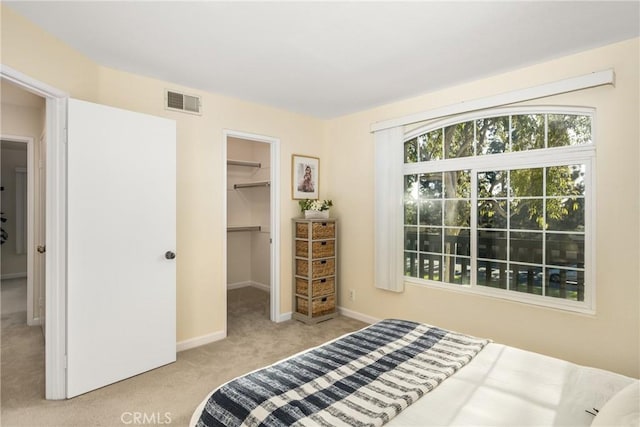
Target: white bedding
[{"x": 506, "y": 386}]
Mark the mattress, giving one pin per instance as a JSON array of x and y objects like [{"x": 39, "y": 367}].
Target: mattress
[{"x": 506, "y": 386}]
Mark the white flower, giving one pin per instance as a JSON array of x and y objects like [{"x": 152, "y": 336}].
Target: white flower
[{"x": 316, "y": 205}]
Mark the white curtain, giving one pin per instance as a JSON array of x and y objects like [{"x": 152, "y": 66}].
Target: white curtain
[{"x": 389, "y": 272}]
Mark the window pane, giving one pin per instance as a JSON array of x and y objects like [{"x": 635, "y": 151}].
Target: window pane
[
  {"x": 431, "y": 212},
  {"x": 565, "y": 180},
  {"x": 458, "y": 140},
  {"x": 492, "y": 244},
  {"x": 492, "y": 214},
  {"x": 527, "y": 132},
  {"x": 430, "y": 145},
  {"x": 430, "y": 239},
  {"x": 410, "y": 198},
  {"x": 565, "y": 284},
  {"x": 411, "y": 238},
  {"x": 411, "y": 151},
  {"x": 526, "y": 182},
  {"x": 565, "y": 249},
  {"x": 431, "y": 185},
  {"x": 430, "y": 266},
  {"x": 493, "y": 135},
  {"x": 457, "y": 213},
  {"x": 526, "y": 214},
  {"x": 457, "y": 241},
  {"x": 526, "y": 278},
  {"x": 493, "y": 274},
  {"x": 410, "y": 213},
  {"x": 568, "y": 129},
  {"x": 526, "y": 247},
  {"x": 492, "y": 184},
  {"x": 565, "y": 214},
  {"x": 457, "y": 184},
  {"x": 411, "y": 264},
  {"x": 457, "y": 270}
]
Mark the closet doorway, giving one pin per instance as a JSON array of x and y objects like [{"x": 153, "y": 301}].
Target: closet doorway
[{"x": 252, "y": 227}]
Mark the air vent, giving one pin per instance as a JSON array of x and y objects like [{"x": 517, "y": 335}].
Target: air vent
[{"x": 177, "y": 101}]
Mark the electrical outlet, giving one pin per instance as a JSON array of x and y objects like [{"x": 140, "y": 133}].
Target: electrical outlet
[{"x": 352, "y": 294}]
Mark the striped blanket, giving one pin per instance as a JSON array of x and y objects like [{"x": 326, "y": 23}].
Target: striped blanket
[{"x": 362, "y": 379}]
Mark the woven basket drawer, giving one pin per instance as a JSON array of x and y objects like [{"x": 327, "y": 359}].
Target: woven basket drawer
[
  {"x": 323, "y": 230},
  {"x": 319, "y": 306},
  {"x": 321, "y": 268},
  {"x": 322, "y": 249},
  {"x": 319, "y": 230},
  {"x": 319, "y": 287},
  {"x": 302, "y": 230}
]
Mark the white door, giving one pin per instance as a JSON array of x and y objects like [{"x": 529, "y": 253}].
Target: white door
[{"x": 121, "y": 305}]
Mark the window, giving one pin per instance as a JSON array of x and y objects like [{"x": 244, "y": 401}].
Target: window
[{"x": 499, "y": 204}]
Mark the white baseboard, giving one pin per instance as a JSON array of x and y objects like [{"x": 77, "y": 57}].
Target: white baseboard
[
  {"x": 358, "y": 316},
  {"x": 199, "y": 341},
  {"x": 251, "y": 283},
  {"x": 283, "y": 317},
  {"x": 238, "y": 285},
  {"x": 13, "y": 276},
  {"x": 34, "y": 322}
]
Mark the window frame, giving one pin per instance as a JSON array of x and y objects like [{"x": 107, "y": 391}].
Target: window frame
[{"x": 545, "y": 157}]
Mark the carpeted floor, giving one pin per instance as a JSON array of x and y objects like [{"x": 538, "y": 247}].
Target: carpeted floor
[{"x": 168, "y": 394}]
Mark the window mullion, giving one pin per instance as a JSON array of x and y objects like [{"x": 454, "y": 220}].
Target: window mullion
[
  {"x": 509, "y": 189},
  {"x": 473, "y": 232},
  {"x": 546, "y": 131},
  {"x": 544, "y": 230},
  {"x": 510, "y": 134}
]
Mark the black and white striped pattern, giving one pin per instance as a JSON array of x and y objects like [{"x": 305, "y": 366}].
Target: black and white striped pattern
[{"x": 363, "y": 379}]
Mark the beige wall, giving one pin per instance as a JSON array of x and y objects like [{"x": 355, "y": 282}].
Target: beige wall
[
  {"x": 29, "y": 49},
  {"x": 610, "y": 338},
  {"x": 201, "y": 303}
]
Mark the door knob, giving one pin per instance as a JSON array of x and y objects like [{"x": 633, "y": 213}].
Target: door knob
[
  {"x": 169, "y": 255},
  {"x": 41, "y": 249}
]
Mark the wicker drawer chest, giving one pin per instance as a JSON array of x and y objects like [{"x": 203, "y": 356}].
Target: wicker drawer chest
[{"x": 315, "y": 255}]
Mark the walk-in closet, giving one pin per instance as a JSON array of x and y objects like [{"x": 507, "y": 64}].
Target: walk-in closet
[{"x": 248, "y": 230}]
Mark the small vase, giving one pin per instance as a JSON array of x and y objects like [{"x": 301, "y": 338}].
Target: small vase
[{"x": 316, "y": 214}]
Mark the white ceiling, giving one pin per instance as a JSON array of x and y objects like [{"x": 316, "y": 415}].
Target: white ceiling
[{"x": 328, "y": 59}]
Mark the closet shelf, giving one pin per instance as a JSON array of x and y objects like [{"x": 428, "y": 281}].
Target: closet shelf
[
  {"x": 252, "y": 184},
  {"x": 244, "y": 228},
  {"x": 244, "y": 163}
]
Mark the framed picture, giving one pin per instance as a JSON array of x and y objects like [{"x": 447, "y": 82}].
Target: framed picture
[{"x": 304, "y": 177}]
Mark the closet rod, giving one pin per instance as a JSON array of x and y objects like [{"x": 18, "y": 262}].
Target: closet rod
[
  {"x": 244, "y": 163},
  {"x": 252, "y": 184},
  {"x": 245, "y": 228}
]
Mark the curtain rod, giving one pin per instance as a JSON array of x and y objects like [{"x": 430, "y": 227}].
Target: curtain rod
[{"x": 599, "y": 78}]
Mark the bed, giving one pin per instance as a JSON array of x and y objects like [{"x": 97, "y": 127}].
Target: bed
[{"x": 402, "y": 373}]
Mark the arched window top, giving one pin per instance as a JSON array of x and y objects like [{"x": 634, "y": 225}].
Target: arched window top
[{"x": 499, "y": 131}]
